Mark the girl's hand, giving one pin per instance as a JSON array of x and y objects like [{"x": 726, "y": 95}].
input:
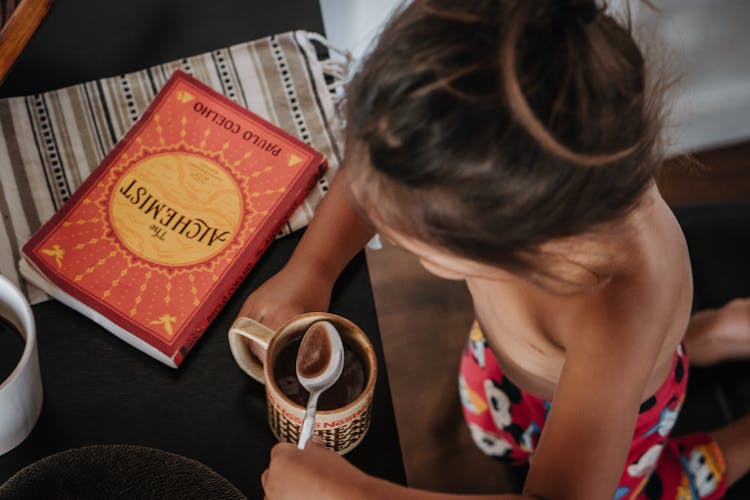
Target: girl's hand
[
  {"x": 315, "y": 472},
  {"x": 294, "y": 290},
  {"x": 335, "y": 235}
]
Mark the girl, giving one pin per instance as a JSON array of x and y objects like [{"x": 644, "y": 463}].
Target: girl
[{"x": 513, "y": 144}]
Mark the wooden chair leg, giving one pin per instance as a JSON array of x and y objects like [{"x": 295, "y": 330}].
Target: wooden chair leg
[{"x": 16, "y": 33}]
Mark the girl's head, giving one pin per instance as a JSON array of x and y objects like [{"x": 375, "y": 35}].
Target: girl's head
[{"x": 488, "y": 128}]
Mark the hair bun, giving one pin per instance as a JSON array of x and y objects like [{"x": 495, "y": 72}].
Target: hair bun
[{"x": 584, "y": 10}]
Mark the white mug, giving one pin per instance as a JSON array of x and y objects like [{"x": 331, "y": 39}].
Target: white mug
[{"x": 21, "y": 392}]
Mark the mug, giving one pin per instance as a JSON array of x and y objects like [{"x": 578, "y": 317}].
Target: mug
[
  {"x": 21, "y": 392},
  {"x": 342, "y": 428}
]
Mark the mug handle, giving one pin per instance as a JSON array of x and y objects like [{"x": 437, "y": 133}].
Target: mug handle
[{"x": 244, "y": 327}]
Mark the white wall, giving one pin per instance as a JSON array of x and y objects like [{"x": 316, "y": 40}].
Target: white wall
[
  {"x": 708, "y": 49},
  {"x": 353, "y": 24},
  {"x": 708, "y": 46}
]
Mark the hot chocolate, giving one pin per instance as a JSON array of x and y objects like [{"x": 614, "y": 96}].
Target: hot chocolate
[
  {"x": 344, "y": 391},
  {"x": 314, "y": 352},
  {"x": 11, "y": 348}
]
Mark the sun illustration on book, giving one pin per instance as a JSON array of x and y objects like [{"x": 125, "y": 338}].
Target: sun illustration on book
[{"x": 172, "y": 213}]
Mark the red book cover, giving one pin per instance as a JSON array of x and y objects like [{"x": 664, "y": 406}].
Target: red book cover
[{"x": 155, "y": 241}]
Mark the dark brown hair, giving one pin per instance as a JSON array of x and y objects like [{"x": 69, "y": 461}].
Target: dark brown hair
[{"x": 489, "y": 127}]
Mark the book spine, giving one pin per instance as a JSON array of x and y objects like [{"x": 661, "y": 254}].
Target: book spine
[{"x": 270, "y": 237}]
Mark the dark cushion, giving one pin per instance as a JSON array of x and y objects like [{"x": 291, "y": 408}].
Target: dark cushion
[
  {"x": 718, "y": 238},
  {"x": 117, "y": 472}
]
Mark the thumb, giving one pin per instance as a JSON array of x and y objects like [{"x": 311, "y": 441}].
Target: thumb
[{"x": 317, "y": 440}]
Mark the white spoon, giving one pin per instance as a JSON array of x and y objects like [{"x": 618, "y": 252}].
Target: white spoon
[{"x": 320, "y": 360}]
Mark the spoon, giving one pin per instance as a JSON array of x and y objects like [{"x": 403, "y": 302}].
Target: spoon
[{"x": 320, "y": 360}]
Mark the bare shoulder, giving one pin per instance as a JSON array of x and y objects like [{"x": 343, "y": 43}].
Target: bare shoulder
[
  {"x": 644, "y": 309},
  {"x": 661, "y": 285}
]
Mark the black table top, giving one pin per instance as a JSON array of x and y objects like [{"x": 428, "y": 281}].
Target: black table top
[
  {"x": 83, "y": 40},
  {"x": 97, "y": 389}
]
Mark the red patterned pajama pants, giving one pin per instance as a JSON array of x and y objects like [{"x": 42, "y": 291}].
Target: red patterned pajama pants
[{"x": 505, "y": 423}]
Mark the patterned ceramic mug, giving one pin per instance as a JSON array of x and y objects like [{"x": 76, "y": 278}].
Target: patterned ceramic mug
[{"x": 341, "y": 428}]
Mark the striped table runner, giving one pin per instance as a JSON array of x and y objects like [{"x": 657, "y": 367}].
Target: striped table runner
[{"x": 49, "y": 143}]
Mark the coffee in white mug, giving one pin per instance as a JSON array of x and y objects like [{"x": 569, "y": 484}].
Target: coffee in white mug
[
  {"x": 11, "y": 348},
  {"x": 20, "y": 379}
]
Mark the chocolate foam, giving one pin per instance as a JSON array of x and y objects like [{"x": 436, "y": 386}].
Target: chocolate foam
[
  {"x": 347, "y": 388},
  {"x": 314, "y": 352}
]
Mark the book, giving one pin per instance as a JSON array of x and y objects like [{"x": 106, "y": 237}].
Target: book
[{"x": 155, "y": 241}]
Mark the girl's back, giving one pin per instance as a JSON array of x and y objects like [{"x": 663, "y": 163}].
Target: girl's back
[{"x": 650, "y": 288}]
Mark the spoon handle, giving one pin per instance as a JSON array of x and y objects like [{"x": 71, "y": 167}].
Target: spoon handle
[{"x": 309, "y": 423}]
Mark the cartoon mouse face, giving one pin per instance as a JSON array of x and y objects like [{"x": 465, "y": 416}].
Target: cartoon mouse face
[
  {"x": 490, "y": 444},
  {"x": 499, "y": 404},
  {"x": 704, "y": 472}
]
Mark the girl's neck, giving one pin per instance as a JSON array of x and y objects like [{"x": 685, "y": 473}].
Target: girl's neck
[{"x": 588, "y": 262}]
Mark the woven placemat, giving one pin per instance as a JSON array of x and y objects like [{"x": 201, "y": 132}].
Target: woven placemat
[
  {"x": 118, "y": 472},
  {"x": 50, "y": 142}
]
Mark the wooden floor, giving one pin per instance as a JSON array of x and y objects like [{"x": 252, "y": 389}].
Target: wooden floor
[{"x": 424, "y": 322}]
